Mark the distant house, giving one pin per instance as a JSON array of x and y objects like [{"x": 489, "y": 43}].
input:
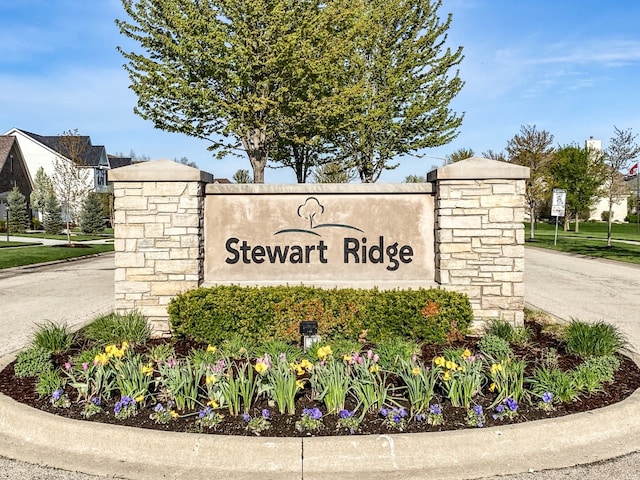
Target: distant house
[
  {"x": 42, "y": 151},
  {"x": 13, "y": 172}
]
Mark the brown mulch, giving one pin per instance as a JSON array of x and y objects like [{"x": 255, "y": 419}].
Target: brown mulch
[{"x": 627, "y": 380}]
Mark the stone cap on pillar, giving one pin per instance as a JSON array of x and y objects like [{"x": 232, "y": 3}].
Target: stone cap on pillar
[
  {"x": 478, "y": 168},
  {"x": 158, "y": 171}
]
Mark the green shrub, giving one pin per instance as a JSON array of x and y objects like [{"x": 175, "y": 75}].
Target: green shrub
[
  {"x": 264, "y": 313},
  {"x": 494, "y": 347},
  {"x": 593, "y": 339},
  {"x": 115, "y": 328},
  {"x": 53, "y": 337},
  {"x": 32, "y": 362},
  {"x": 48, "y": 382},
  {"x": 506, "y": 331},
  {"x": 393, "y": 351}
]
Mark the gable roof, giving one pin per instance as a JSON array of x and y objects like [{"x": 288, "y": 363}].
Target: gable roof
[
  {"x": 116, "y": 162},
  {"x": 90, "y": 154},
  {"x": 6, "y": 143}
]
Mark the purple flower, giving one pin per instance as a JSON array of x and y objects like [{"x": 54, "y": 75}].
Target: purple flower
[
  {"x": 56, "y": 394},
  {"x": 500, "y": 408},
  {"x": 204, "y": 412},
  {"x": 547, "y": 397},
  {"x": 384, "y": 412},
  {"x": 246, "y": 417},
  {"x": 96, "y": 401},
  {"x": 158, "y": 408},
  {"x": 345, "y": 414},
  {"x": 512, "y": 404},
  {"x": 266, "y": 414},
  {"x": 435, "y": 409},
  {"x": 477, "y": 409},
  {"x": 419, "y": 417},
  {"x": 316, "y": 414},
  {"x": 402, "y": 412}
]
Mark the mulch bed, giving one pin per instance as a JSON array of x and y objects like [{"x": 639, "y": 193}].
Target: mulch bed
[{"x": 627, "y": 380}]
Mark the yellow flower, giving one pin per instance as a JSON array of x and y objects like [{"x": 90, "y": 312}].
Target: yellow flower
[
  {"x": 109, "y": 349},
  {"x": 173, "y": 414},
  {"x": 298, "y": 368},
  {"x": 261, "y": 367},
  {"x": 211, "y": 349},
  {"x": 446, "y": 376},
  {"x": 466, "y": 353},
  {"x": 496, "y": 367},
  {"x": 492, "y": 387},
  {"x": 451, "y": 365},
  {"x": 415, "y": 371},
  {"x": 209, "y": 379},
  {"x": 306, "y": 364},
  {"x": 140, "y": 398},
  {"x": 324, "y": 352},
  {"x": 101, "y": 359},
  {"x": 147, "y": 370},
  {"x": 124, "y": 346},
  {"x": 374, "y": 368},
  {"x": 300, "y": 384},
  {"x": 439, "y": 361},
  {"x": 213, "y": 404},
  {"x": 461, "y": 369},
  {"x": 347, "y": 358}
]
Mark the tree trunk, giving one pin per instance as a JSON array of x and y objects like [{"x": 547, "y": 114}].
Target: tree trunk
[
  {"x": 255, "y": 145},
  {"x": 610, "y": 220},
  {"x": 577, "y": 229},
  {"x": 532, "y": 214}
]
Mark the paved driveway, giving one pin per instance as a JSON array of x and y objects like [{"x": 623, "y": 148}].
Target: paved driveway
[
  {"x": 570, "y": 286},
  {"x": 70, "y": 292}
]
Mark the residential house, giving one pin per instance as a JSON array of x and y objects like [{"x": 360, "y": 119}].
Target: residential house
[
  {"x": 13, "y": 172},
  {"x": 42, "y": 151}
]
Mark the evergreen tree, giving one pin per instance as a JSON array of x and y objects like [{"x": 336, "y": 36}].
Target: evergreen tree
[
  {"x": 53, "y": 223},
  {"x": 41, "y": 187},
  {"x": 18, "y": 212},
  {"x": 91, "y": 216}
]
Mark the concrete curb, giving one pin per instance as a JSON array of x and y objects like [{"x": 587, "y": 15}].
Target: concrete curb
[{"x": 34, "y": 436}]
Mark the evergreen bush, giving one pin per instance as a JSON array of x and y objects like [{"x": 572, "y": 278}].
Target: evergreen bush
[
  {"x": 91, "y": 217},
  {"x": 264, "y": 313}
]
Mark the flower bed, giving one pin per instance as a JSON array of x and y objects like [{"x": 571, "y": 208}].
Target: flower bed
[{"x": 276, "y": 390}]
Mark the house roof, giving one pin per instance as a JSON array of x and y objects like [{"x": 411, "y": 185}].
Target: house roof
[
  {"x": 116, "y": 162},
  {"x": 6, "y": 142},
  {"x": 90, "y": 154}
]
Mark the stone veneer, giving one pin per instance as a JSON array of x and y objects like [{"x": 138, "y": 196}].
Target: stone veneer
[
  {"x": 159, "y": 249},
  {"x": 479, "y": 235}
]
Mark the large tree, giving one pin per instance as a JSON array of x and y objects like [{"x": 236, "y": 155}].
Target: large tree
[
  {"x": 42, "y": 186},
  {"x": 534, "y": 149},
  {"x": 404, "y": 71},
  {"x": 580, "y": 172},
  {"x": 224, "y": 70},
  {"x": 622, "y": 149}
]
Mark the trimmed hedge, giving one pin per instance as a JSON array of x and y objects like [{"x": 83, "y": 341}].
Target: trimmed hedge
[{"x": 265, "y": 313}]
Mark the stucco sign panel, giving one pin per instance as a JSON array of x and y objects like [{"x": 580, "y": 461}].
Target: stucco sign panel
[{"x": 321, "y": 239}]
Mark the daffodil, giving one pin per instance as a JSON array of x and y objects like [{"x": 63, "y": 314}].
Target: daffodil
[
  {"x": 140, "y": 399},
  {"x": 492, "y": 387},
  {"x": 415, "y": 371},
  {"x": 306, "y": 364},
  {"x": 451, "y": 365},
  {"x": 324, "y": 352},
  {"x": 147, "y": 370},
  {"x": 173, "y": 414},
  {"x": 374, "y": 368},
  {"x": 211, "y": 349},
  {"x": 210, "y": 379},
  {"x": 300, "y": 384},
  {"x": 261, "y": 367},
  {"x": 347, "y": 358},
  {"x": 446, "y": 376},
  {"x": 496, "y": 367},
  {"x": 213, "y": 404},
  {"x": 439, "y": 361},
  {"x": 466, "y": 353},
  {"x": 101, "y": 359}
]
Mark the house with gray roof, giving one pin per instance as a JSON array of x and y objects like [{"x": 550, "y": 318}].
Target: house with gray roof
[{"x": 13, "y": 172}]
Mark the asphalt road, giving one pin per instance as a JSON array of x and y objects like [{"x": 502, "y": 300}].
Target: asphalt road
[
  {"x": 71, "y": 292},
  {"x": 567, "y": 286}
]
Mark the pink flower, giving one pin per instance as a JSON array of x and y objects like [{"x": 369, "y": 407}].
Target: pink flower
[
  {"x": 85, "y": 366},
  {"x": 67, "y": 365}
]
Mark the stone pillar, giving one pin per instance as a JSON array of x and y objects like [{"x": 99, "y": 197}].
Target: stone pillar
[
  {"x": 479, "y": 235},
  {"x": 158, "y": 232}
]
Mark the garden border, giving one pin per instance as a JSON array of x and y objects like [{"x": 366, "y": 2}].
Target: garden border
[{"x": 38, "y": 437}]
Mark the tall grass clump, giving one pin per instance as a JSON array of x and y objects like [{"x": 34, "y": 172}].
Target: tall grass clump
[
  {"x": 53, "y": 338},
  {"x": 115, "y": 328},
  {"x": 506, "y": 331},
  {"x": 593, "y": 339}
]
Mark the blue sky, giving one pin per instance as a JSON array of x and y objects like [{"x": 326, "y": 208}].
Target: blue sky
[{"x": 571, "y": 67}]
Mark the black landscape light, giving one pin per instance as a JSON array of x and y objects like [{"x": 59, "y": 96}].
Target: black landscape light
[{"x": 309, "y": 333}]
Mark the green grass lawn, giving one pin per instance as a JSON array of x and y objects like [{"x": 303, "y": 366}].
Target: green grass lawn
[
  {"x": 75, "y": 237},
  {"x": 16, "y": 257},
  {"x": 591, "y": 241}
]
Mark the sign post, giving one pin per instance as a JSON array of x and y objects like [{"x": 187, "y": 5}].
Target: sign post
[{"x": 558, "y": 202}]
